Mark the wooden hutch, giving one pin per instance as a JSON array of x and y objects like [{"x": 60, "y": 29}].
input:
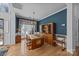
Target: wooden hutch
[{"x": 49, "y": 31}]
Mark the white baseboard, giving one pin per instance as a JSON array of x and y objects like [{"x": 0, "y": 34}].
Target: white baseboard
[{"x": 71, "y": 52}]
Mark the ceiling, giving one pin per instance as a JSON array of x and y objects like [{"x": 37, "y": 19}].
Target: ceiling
[{"x": 40, "y": 10}]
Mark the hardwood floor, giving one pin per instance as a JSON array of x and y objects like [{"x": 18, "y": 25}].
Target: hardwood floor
[{"x": 45, "y": 50}]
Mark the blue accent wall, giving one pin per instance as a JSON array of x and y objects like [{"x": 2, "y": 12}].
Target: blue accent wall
[{"x": 58, "y": 18}]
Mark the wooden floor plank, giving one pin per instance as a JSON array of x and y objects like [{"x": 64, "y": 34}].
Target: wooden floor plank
[{"x": 45, "y": 50}]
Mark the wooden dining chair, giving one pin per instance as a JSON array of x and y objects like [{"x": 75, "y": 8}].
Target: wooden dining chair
[{"x": 28, "y": 42}]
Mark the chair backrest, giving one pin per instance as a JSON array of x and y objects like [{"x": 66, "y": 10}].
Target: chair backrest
[{"x": 28, "y": 38}]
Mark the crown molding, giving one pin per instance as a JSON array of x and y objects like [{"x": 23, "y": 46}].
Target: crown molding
[{"x": 54, "y": 13}]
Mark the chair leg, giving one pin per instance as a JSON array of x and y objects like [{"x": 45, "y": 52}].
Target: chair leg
[{"x": 29, "y": 47}]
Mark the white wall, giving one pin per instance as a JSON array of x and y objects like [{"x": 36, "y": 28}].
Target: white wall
[
  {"x": 72, "y": 23},
  {"x": 69, "y": 27},
  {"x": 76, "y": 14},
  {"x": 6, "y": 17},
  {"x": 9, "y": 37},
  {"x": 12, "y": 24}
]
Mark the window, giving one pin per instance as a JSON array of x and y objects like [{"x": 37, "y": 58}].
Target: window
[
  {"x": 27, "y": 26},
  {"x": 27, "y": 29}
]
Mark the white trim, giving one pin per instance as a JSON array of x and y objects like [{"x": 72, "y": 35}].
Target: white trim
[
  {"x": 54, "y": 13},
  {"x": 40, "y": 29},
  {"x": 71, "y": 52},
  {"x": 61, "y": 35}
]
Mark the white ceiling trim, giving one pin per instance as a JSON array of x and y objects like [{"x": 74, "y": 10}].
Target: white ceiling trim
[{"x": 54, "y": 13}]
